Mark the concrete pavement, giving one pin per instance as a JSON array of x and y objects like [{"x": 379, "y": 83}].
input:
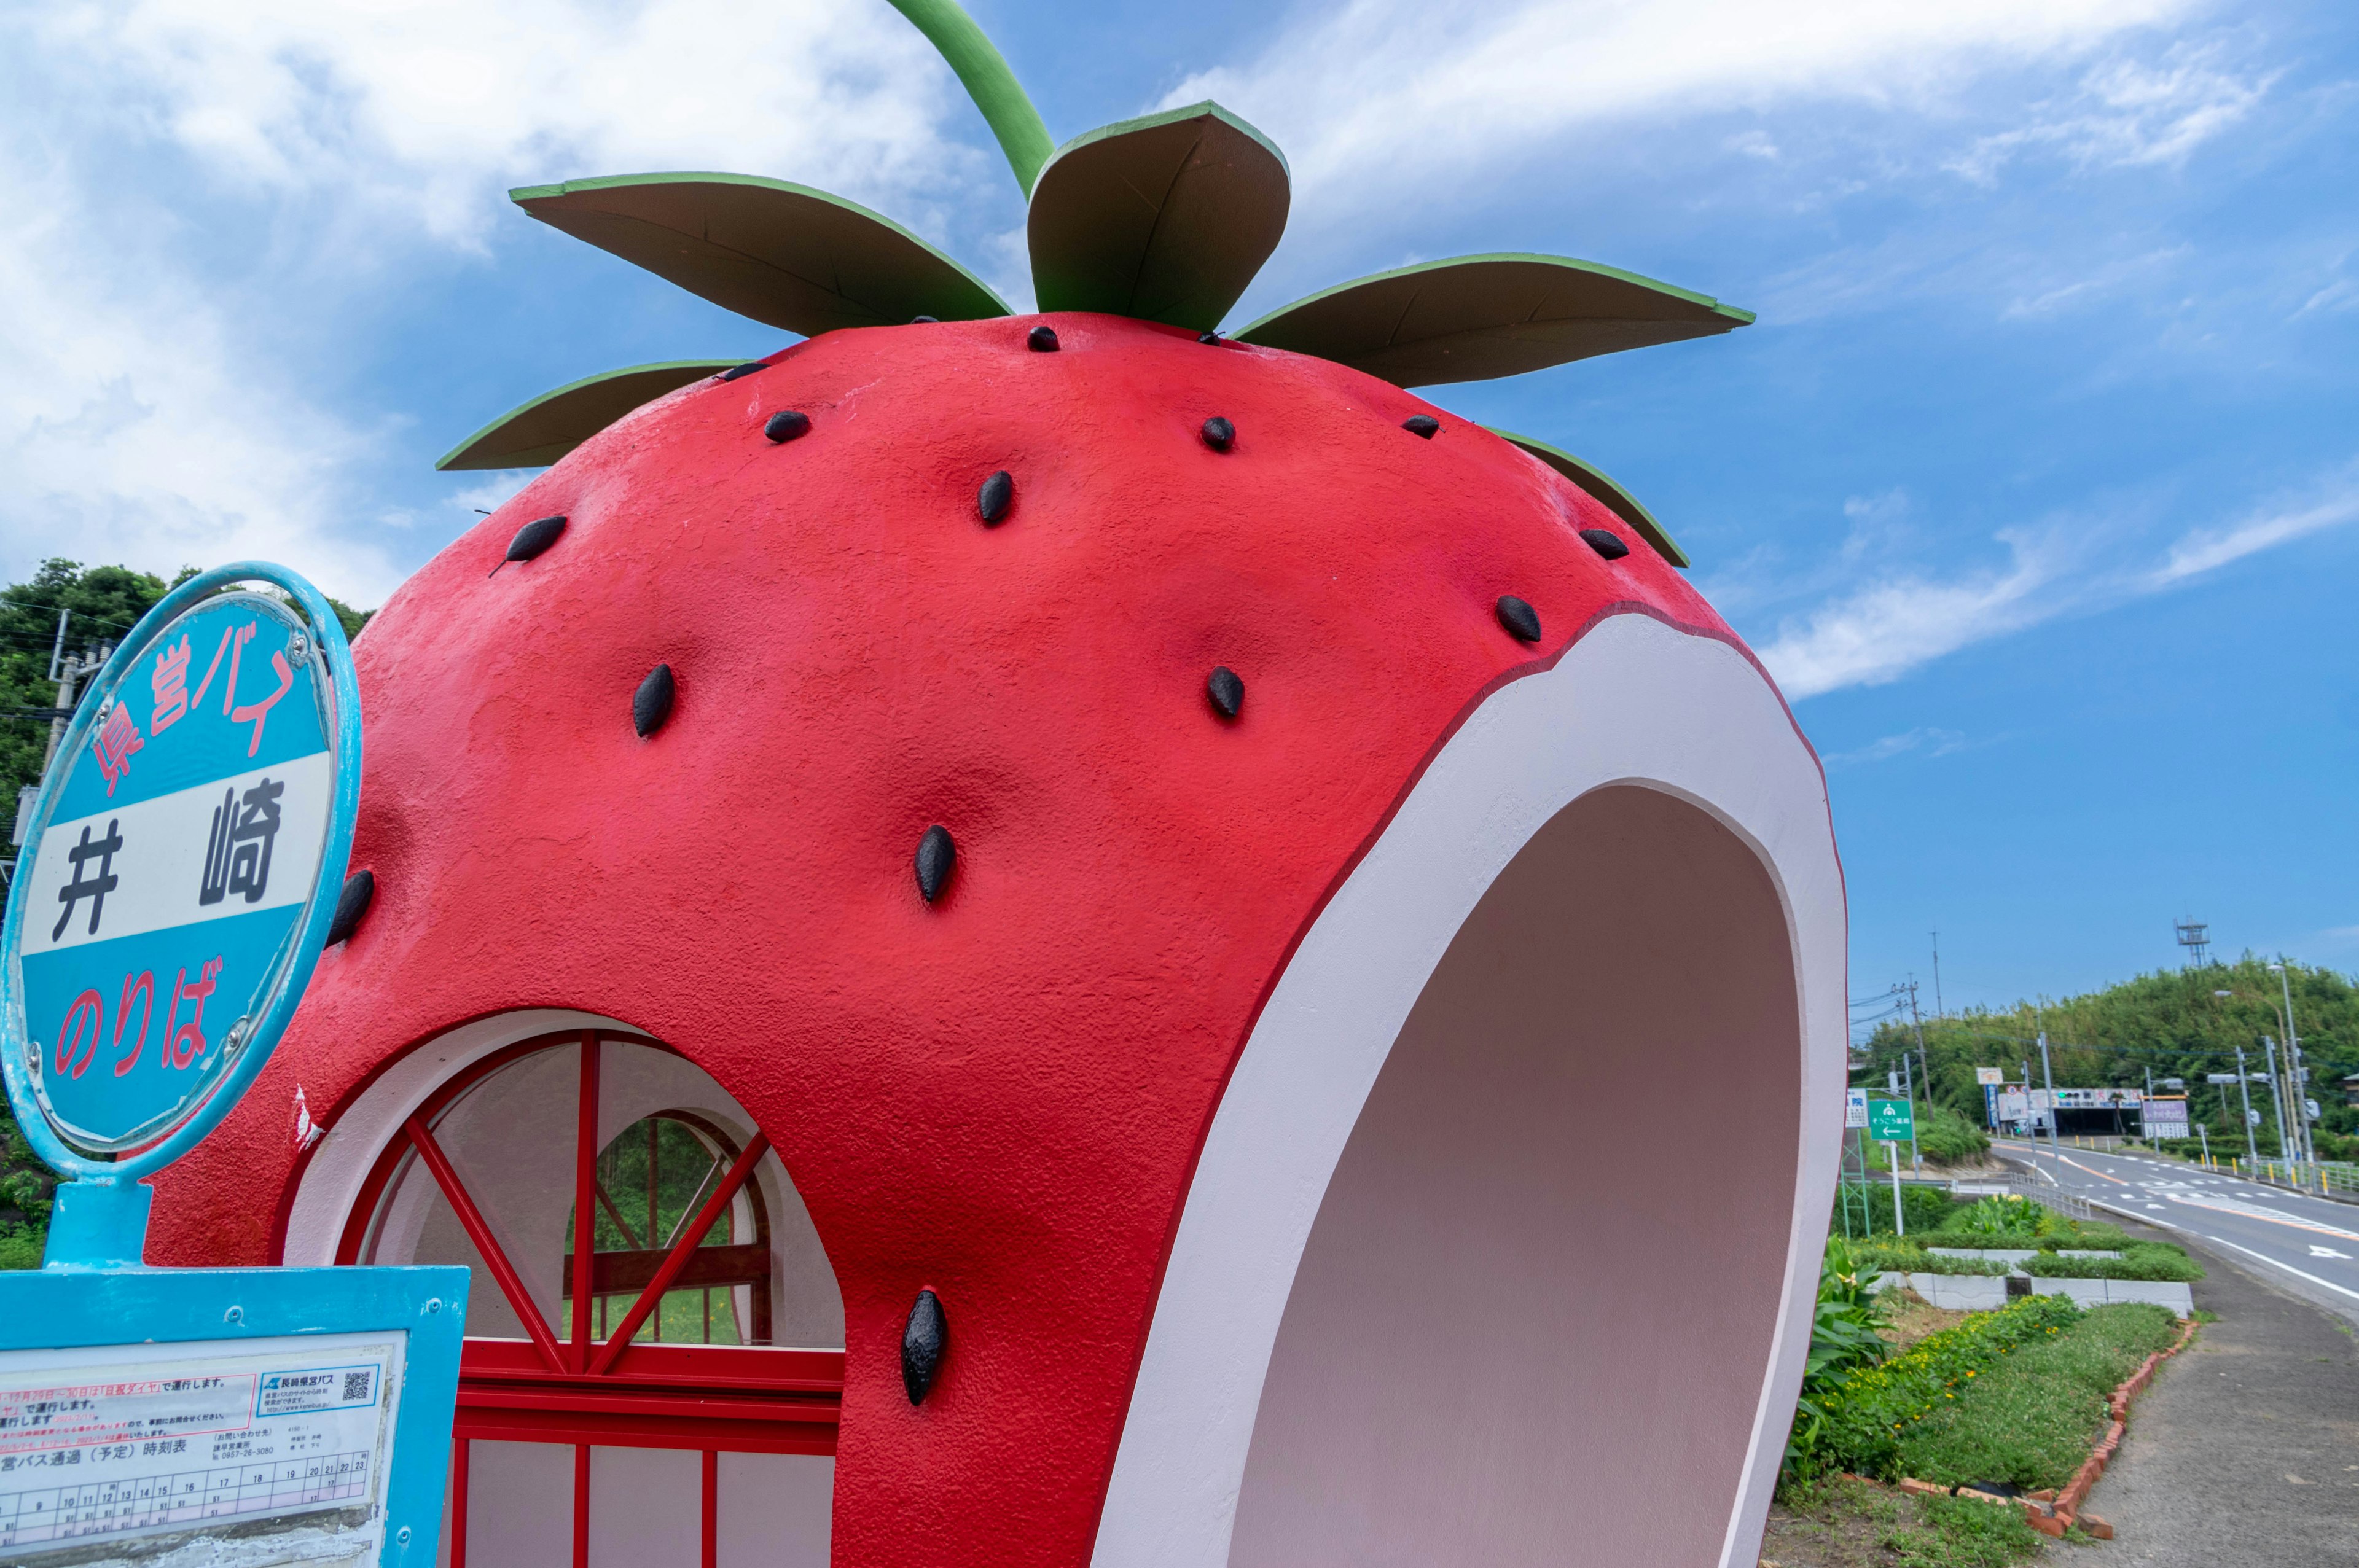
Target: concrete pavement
[
  {"x": 2245, "y": 1450},
  {"x": 2307, "y": 1246}
]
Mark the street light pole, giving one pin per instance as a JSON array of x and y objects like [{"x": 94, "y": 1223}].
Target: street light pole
[
  {"x": 2276, "y": 1101},
  {"x": 2050, "y": 1078},
  {"x": 2251, "y": 1150}
]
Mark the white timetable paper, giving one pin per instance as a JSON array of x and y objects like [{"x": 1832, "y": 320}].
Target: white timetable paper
[{"x": 141, "y": 1442}]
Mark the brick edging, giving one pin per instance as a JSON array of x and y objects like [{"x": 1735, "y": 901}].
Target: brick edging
[{"x": 2053, "y": 1513}]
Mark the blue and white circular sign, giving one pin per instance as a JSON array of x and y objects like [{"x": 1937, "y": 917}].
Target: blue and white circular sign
[{"x": 183, "y": 866}]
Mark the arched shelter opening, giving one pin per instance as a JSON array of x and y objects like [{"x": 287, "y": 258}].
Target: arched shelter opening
[
  {"x": 661, "y": 1384},
  {"x": 1547, "y": 1272}
]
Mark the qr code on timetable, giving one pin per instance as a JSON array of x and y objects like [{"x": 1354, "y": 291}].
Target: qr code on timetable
[{"x": 356, "y": 1384}]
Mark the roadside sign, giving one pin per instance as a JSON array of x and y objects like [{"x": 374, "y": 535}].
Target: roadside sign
[
  {"x": 181, "y": 839},
  {"x": 1990, "y": 1075},
  {"x": 180, "y": 869},
  {"x": 2164, "y": 1118},
  {"x": 1890, "y": 1120},
  {"x": 1854, "y": 1107}
]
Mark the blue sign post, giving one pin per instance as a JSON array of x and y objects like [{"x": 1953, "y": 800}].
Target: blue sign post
[{"x": 178, "y": 881}]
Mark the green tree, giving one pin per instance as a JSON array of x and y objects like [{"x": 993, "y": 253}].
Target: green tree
[{"x": 2171, "y": 1022}]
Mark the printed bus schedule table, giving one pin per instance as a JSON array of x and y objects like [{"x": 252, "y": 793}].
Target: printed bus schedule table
[{"x": 149, "y": 1440}]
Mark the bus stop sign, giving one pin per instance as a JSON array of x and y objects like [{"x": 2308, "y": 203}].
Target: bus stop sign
[{"x": 197, "y": 819}]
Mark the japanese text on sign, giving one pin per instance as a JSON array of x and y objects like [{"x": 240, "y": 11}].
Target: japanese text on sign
[{"x": 133, "y": 1441}]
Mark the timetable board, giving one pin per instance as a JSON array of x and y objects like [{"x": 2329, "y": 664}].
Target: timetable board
[{"x": 140, "y": 1447}]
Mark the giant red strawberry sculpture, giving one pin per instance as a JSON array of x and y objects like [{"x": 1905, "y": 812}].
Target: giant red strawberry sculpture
[{"x": 1285, "y": 970}]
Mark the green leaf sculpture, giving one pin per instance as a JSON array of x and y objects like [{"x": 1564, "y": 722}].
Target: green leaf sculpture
[
  {"x": 1480, "y": 317},
  {"x": 785, "y": 255},
  {"x": 535, "y": 433},
  {"x": 1166, "y": 218}
]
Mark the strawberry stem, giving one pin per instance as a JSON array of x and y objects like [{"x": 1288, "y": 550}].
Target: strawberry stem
[{"x": 1005, "y": 108}]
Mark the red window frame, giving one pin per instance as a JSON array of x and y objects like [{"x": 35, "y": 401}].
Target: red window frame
[{"x": 714, "y": 1399}]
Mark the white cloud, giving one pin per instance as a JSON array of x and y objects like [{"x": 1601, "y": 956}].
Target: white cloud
[
  {"x": 135, "y": 428},
  {"x": 1878, "y": 631},
  {"x": 2128, "y": 113},
  {"x": 1384, "y": 92},
  {"x": 199, "y": 192},
  {"x": 2202, "y": 550},
  {"x": 1931, "y": 741},
  {"x": 434, "y": 106}
]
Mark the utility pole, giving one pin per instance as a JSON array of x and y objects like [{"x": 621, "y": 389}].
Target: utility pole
[
  {"x": 2276, "y": 1101},
  {"x": 2293, "y": 1065},
  {"x": 2251, "y": 1151},
  {"x": 2050, "y": 1078},
  {"x": 1939, "y": 1011},
  {"x": 1923, "y": 1062},
  {"x": 1909, "y": 1088}
]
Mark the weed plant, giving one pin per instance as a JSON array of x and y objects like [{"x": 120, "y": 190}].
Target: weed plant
[
  {"x": 2032, "y": 1418},
  {"x": 1840, "y": 1521},
  {"x": 1864, "y": 1418}
]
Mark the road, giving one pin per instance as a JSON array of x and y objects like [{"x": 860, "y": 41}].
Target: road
[{"x": 2305, "y": 1245}]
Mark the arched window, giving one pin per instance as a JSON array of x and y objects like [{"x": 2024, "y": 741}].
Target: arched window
[{"x": 681, "y": 1356}]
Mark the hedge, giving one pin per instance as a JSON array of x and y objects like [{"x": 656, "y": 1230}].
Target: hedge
[
  {"x": 1904, "y": 1258},
  {"x": 2139, "y": 1260}
]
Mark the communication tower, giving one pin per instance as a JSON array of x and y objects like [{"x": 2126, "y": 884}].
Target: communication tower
[{"x": 2196, "y": 937}]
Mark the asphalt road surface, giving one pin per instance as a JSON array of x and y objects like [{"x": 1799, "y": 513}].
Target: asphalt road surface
[{"x": 2307, "y": 1246}]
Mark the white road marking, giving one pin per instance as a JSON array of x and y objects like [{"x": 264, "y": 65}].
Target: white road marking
[
  {"x": 2317, "y": 1251},
  {"x": 2286, "y": 1266},
  {"x": 2267, "y": 1215}
]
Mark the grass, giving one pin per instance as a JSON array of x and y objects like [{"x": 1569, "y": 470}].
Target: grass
[
  {"x": 1843, "y": 1523},
  {"x": 2031, "y": 1419}
]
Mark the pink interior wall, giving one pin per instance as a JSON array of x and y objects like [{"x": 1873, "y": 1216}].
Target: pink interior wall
[{"x": 1534, "y": 1317}]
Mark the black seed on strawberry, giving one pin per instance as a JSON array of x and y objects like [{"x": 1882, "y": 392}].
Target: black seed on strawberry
[
  {"x": 997, "y": 494},
  {"x": 1219, "y": 434},
  {"x": 651, "y": 704},
  {"x": 1522, "y": 622},
  {"x": 1424, "y": 425},
  {"x": 786, "y": 425},
  {"x": 925, "y": 320},
  {"x": 937, "y": 854},
  {"x": 923, "y": 1341},
  {"x": 1227, "y": 692},
  {"x": 531, "y": 540},
  {"x": 352, "y": 903},
  {"x": 1041, "y": 340},
  {"x": 748, "y": 368},
  {"x": 1606, "y": 543}
]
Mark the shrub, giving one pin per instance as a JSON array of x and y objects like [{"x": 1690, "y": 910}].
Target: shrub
[
  {"x": 1866, "y": 1412},
  {"x": 1925, "y": 1205},
  {"x": 2031, "y": 1419},
  {"x": 1905, "y": 1258},
  {"x": 1944, "y": 1135},
  {"x": 21, "y": 1247},
  {"x": 2000, "y": 1217},
  {"x": 2139, "y": 1260},
  {"x": 1842, "y": 1337}
]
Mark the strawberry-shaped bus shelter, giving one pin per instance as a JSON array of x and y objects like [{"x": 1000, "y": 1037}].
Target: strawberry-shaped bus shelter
[{"x": 1070, "y": 938}]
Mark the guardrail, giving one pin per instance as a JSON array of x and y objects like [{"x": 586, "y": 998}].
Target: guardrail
[{"x": 2327, "y": 1179}]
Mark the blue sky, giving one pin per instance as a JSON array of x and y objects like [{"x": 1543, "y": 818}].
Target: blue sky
[{"x": 2035, "y": 484}]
